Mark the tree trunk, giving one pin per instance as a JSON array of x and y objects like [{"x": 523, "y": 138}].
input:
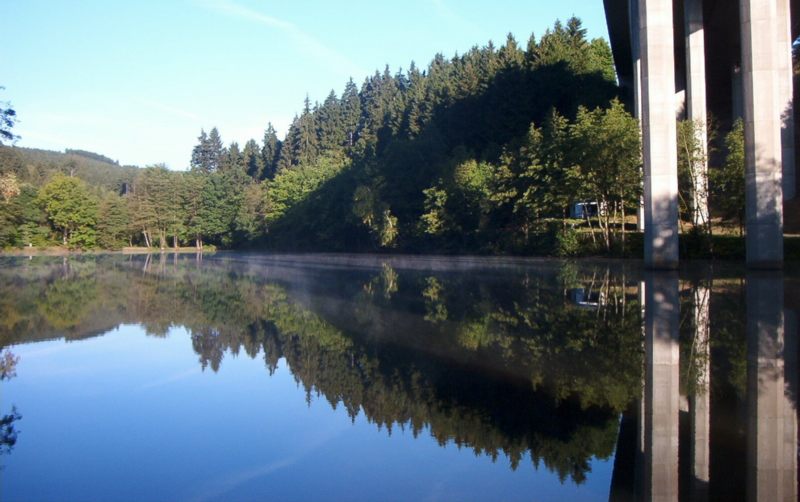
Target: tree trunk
[
  {"x": 622, "y": 211},
  {"x": 591, "y": 230}
]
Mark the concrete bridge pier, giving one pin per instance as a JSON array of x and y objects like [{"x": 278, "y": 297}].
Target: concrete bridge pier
[
  {"x": 696, "y": 104},
  {"x": 643, "y": 39},
  {"x": 763, "y": 74},
  {"x": 656, "y": 48}
]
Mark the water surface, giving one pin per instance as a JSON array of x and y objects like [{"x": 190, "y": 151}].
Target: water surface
[{"x": 252, "y": 377}]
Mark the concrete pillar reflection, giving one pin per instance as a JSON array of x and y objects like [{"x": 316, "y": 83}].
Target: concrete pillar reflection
[
  {"x": 696, "y": 102},
  {"x": 662, "y": 395},
  {"x": 772, "y": 416},
  {"x": 761, "y": 80},
  {"x": 658, "y": 133},
  {"x": 700, "y": 401}
]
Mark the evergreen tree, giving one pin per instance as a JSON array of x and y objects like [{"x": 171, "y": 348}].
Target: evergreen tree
[
  {"x": 215, "y": 149},
  {"x": 270, "y": 153},
  {"x": 510, "y": 55},
  {"x": 306, "y": 143},
  {"x": 208, "y": 154},
  {"x": 113, "y": 222},
  {"x": 351, "y": 114},
  {"x": 288, "y": 155},
  {"x": 330, "y": 130},
  {"x": 232, "y": 158},
  {"x": 8, "y": 117},
  {"x": 201, "y": 160},
  {"x": 252, "y": 160}
]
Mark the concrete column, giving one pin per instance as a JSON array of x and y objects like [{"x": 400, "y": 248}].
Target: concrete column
[
  {"x": 633, "y": 16},
  {"x": 700, "y": 402},
  {"x": 658, "y": 134},
  {"x": 696, "y": 102},
  {"x": 772, "y": 418},
  {"x": 662, "y": 394},
  {"x": 786, "y": 96},
  {"x": 761, "y": 80}
]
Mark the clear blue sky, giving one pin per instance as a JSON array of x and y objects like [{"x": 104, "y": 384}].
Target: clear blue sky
[{"x": 136, "y": 81}]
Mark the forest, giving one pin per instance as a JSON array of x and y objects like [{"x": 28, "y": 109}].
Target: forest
[{"x": 485, "y": 152}]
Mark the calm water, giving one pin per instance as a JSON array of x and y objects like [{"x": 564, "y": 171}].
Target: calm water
[{"x": 254, "y": 377}]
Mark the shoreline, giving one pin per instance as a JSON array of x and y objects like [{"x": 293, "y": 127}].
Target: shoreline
[{"x": 59, "y": 251}]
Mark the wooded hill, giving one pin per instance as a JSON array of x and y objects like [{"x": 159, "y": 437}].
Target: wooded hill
[
  {"x": 36, "y": 167},
  {"x": 484, "y": 152}
]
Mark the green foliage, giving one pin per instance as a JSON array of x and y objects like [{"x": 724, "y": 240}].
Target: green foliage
[
  {"x": 727, "y": 182},
  {"x": 37, "y": 167},
  {"x": 608, "y": 155},
  {"x": 375, "y": 214},
  {"x": 568, "y": 242},
  {"x": 71, "y": 209},
  {"x": 270, "y": 152},
  {"x": 434, "y": 220},
  {"x": 252, "y": 161},
  {"x": 292, "y": 186},
  {"x": 113, "y": 223},
  {"x": 8, "y": 117},
  {"x": 441, "y": 158},
  {"x": 208, "y": 155}
]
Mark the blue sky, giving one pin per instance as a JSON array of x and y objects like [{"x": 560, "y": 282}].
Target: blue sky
[{"x": 136, "y": 81}]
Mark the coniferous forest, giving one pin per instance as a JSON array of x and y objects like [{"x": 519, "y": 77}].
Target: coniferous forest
[{"x": 485, "y": 152}]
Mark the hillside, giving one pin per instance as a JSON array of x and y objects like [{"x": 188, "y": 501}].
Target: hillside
[{"x": 36, "y": 166}]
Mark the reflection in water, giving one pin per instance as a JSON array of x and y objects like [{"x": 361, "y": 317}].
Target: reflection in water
[
  {"x": 771, "y": 375},
  {"x": 555, "y": 363},
  {"x": 700, "y": 397},
  {"x": 661, "y": 394},
  {"x": 8, "y": 430}
]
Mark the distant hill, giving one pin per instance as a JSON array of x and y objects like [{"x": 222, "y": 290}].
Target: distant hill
[
  {"x": 91, "y": 155},
  {"x": 36, "y": 166}
]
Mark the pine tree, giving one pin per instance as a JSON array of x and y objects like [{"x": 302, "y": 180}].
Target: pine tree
[
  {"x": 330, "y": 129},
  {"x": 200, "y": 159},
  {"x": 351, "y": 114},
  {"x": 251, "y": 160},
  {"x": 270, "y": 152},
  {"x": 306, "y": 144},
  {"x": 215, "y": 150},
  {"x": 288, "y": 154},
  {"x": 415, "y": 97},
  {"x": 510, "y": 55},
  {"x": 231, "y": 158}
]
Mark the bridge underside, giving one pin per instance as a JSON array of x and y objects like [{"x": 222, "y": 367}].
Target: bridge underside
[
  {"x": 687, "y": 59},
  {"x": 722, "y": 44}
]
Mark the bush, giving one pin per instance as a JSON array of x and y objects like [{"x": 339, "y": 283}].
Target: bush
[{"x": 568, "y": 242}]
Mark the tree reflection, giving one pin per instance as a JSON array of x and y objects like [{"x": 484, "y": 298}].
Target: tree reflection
[
  {"x": 507, "y": 362},
  {"x": 8, "y": 431}
]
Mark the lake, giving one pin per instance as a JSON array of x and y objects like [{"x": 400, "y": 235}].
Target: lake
[{"x": 362, "y": 378}]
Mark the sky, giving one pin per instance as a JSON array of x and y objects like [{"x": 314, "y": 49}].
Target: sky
[{"x": 136, "y": 81}]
